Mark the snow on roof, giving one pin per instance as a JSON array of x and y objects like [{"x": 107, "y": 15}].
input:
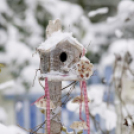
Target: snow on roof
[{"x": 57, "y": 37}]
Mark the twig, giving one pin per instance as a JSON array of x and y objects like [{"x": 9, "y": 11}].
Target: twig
[
  {"x": 36, "y": 71},
  {"x": 69, "y": 85},
  {"x": 40, "y": 83}
]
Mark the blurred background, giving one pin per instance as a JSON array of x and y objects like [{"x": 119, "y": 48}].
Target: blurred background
[{"x": 104, "y": 27}]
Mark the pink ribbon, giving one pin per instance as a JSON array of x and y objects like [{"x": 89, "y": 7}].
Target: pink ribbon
[
  {"x": 47, "y": 105},
  {"x": 84, "y": 87},
  {"x": 80, "y": 108}
]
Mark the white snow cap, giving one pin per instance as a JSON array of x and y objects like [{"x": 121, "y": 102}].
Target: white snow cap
[{"x": 57, "y": 37}]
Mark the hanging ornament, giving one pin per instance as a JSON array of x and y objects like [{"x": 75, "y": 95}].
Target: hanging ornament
[
  {"x": 84, "y": 68},
  {"x": 79, "y": 99},
  {"x": 42, "y": 103},
  {"x": 79, "y": 125}
]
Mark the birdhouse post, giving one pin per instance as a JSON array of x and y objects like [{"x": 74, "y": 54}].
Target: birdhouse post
[{"x": 61, "y": 59}]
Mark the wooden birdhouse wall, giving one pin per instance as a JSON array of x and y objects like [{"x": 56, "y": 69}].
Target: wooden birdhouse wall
[
  {"x": 44, "y": 62},
  {"x": 63, "y": 56},
  {"x": 73, "y": 54}
]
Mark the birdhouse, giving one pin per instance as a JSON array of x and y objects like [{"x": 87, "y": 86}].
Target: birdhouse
[
  {"x": 59, "y": 54},
  {"x": 61, "y": 59}
]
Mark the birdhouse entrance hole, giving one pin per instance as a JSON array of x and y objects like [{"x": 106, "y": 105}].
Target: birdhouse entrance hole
[{"x": 63, "y": 57}]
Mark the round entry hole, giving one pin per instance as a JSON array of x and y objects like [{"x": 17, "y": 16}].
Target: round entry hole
[{"x": 63, "y": 57}]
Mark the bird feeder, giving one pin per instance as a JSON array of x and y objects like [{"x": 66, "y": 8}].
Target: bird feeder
[{"x": 61, "y": 59}]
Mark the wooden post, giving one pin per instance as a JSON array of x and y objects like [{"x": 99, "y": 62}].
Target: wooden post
[{"x": 55, "y": 96}]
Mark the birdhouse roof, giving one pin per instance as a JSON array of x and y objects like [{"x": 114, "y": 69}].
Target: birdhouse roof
[{"x": 56, "y": 38}]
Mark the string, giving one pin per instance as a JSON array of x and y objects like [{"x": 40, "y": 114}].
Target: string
[
  {"x": 84, "y": 86},
  {"x": 80, "y": 108}
]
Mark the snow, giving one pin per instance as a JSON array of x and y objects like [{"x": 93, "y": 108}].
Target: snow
[
  {"x": 57, "y": 77},
  {"x": 115, "y": 32},
  {"x": 3, "y": 115},
  {"x": 73, "y": 107},
  {"x": 3, "y": 6},
  {"x": 118, "y": 33},
  {"x": 126, "y": 6},
  {"x": 18, "y": 106},
  {"x": 69, "y": 13},
  {"x": 107, "y": 115},
  {"x": 120, "y": 46},
  {"x": 14, "y": 90},
  {"x": 15, "y": 48},
  {"x": 7, "y": 85},
  {"x": 57, "y": 37},
  {"x": 3, "y": 36},
  {"x": 28, "y": 74},
  {"x": 103, "y": 10},
  {"x": 11, "y": 130},
  {"x": 96, "y": 93},
  {"x": 97, "y": 106}
]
